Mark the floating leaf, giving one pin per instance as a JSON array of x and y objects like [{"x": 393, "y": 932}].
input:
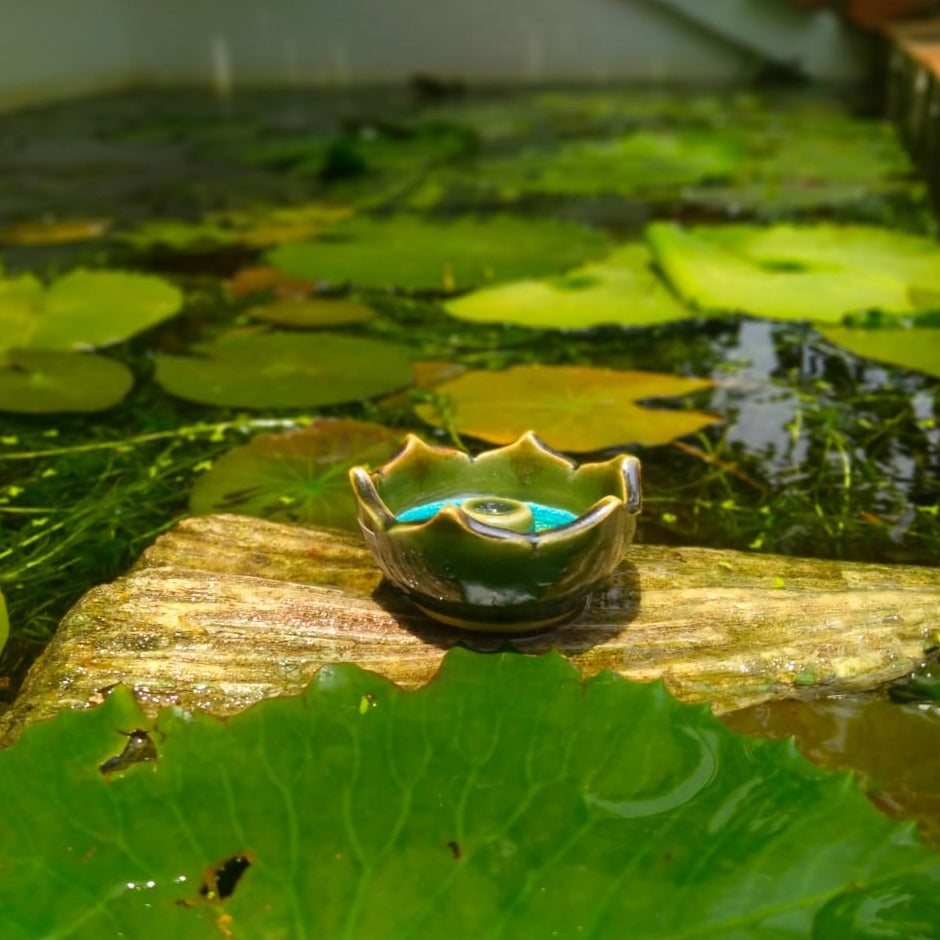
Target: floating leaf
[
  {"x": 312, "y": 312},
  {"x": 572, "y": 408},
  {"x": 265, "y": 278},
  {"x": 4, "y": 622},
  {"x": 254, "y": 228},
  {"x": 53, "y": 231},
  {"x": 645, "y": 162},
  {"x": 408, "y": 252},
  {"x": 812, "y": 272},
  {"x": 506, "y": 798},
  {"x": 295, "y": 476},
  {"x": 83, "y": 309},
  {"x": 916, "y": 347},
  {"x": 628, "y": 165},
  {"x": 620, "y": 289},
  {"x": 33, "y": 382},
  {"x": 285, "y": 370}
]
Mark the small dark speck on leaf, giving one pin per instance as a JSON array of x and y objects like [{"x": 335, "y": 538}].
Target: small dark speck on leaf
[
  {"x": 139, "y": 748},
  {"x": 220, "y": 880},
  {"x": 455, "y": 849}
]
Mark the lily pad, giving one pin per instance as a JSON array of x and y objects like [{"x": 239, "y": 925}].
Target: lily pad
[
  {"x": 295, "y": 476},
  {"x": 915, "y": 347},
  {"x": 507, "y": 798},
  {"x": 312, "y": 312},
  {"x": 34, "y": 382},
  {"x": 620, "y": 289},
  {"x": 83, "y": 309},
  {"x": 572, "y": 408},
  {"x": 53, "y": 231},
  {"x": 812, "y": 272},
  {"x": 412, "y": 253},
  {"x": 254, "y": 228},
  {"x": 285, "y": 370},
  {"x": 644, "y": 160}
]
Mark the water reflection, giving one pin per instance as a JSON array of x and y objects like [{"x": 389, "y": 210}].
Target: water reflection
[{"x": 894, "y": 749}]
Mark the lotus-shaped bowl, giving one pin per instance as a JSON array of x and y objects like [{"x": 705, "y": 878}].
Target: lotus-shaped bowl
[{"x": 511, "y": 540}]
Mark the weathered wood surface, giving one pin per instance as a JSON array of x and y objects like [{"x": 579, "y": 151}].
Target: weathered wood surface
[{"x": 225, "y": 610}]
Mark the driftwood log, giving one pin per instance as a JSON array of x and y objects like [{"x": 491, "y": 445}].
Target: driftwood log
[{"x": 225, "y": 610}]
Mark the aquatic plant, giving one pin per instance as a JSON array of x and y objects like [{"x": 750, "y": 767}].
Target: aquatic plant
[
  {"x": 38, "y": 382},
  {"x": 817, "y": 272},
  {"x": 298, "y": 475},
  {"x": 83, "y": 309},
  {"x": 621, "y": 288},
  {"x": 408, "y": 252},
  {"x": 576, "y": 409},
  {"x": 285, "y": 370},
  {"x": 504, "y": 798}
]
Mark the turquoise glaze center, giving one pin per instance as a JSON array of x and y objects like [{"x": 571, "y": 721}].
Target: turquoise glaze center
[{"x": 544, "y": 517}]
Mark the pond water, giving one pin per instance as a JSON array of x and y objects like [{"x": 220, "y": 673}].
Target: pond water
[{"x": 802, "y": 446}]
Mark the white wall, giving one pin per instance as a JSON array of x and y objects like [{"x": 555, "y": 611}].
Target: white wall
[
  {"x": 55, "y": 48},
  {"x": 389, "y": 40},
  {"x": 59, "y": 48}
]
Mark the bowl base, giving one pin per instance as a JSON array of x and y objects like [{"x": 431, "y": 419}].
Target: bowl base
[{"x": 468, "y": 622}]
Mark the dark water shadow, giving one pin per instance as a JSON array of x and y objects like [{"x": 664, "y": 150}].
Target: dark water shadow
[{"x": 607, "y": 613}]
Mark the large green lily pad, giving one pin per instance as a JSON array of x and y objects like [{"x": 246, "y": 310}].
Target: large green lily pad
[
  {"x": 82, "y": 309},
  {"x": 412, "y": 253},
  {"x": 811, "y": 272},
  {"x": 285, "y": 370},
  {"x": 506, "y": 798},
  {"x": 916, "y": 347},
  {"x": 572, "y": 408},
  {"x": 620, "y": 289},
  {"x": 295, "y": 476},
  {"x": 33, "y": 382}
]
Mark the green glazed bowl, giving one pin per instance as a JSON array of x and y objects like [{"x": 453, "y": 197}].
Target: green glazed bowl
[{"x": 511, "y": 540}]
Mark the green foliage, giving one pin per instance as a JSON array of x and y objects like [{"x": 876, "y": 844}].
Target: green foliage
[
  {"x": 643, "y": 160},
  {"x": 285, "y": 370},
  {"x": 82, "y": 309},
  {"x": 255, "y": 227},
  {"x": 814, "y": 272},
  {"x": 505, "y": 799},
  {"x": 913, "y": 347},
  {"x": 35, "y": 382},
  {"x": 573, "y": 409},
  {"x": 619, "y": 289},
  {"x": 295, "y": 476},
  {"x": 408, "y": 252}
]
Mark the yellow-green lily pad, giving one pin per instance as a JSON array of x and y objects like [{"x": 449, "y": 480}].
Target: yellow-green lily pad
[
  {"x": 572, "y": 408},
  {"x": 285, "y": 370},
  {"x": 643, "y": 160},
  {"x": 915, "y": 347},
  {"x": 38, "y": 382},
  {"x": 621, "y": 289},
  {"x": 312, "y": 312},
  {"x": 82, "y": 309},
  {"x": 810, "y": 272},
  {"x": 254, "y": 228},
  {"x": 295, "y": 476},
  {"x": 415, "y": 254}
]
